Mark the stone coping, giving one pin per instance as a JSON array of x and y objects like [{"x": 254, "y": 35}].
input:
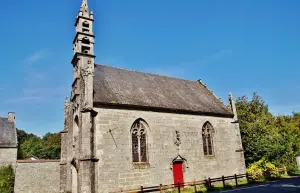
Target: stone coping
[{"x": 36, "y": 161}]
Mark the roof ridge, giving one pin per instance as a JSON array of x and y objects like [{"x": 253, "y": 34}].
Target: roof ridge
[
  {"x": 211, "y": 92},
  {"x": 147, "y": 73}
]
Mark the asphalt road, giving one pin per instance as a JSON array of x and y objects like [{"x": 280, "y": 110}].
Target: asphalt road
[{"x": 291, "y": 185}]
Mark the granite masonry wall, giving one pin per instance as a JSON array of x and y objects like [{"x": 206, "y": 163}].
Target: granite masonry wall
[
  {"x": 8, "y": 156},
  {"x": 115, "y": 169},
  {"x": 37, "y": 177}
]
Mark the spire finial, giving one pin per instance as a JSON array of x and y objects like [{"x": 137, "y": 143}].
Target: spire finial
[
  {"x": 84, "y": 9},
  {"x": 84, "y": 4}
]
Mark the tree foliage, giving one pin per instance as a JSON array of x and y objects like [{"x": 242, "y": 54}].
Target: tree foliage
[
  {"x": 22, "y": 137},
  {"x": 7, "y": 179},
  {"x": 276, "y": 138},
  {"x": 47, "y": 147}
]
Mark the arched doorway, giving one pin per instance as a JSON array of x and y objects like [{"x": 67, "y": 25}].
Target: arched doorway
[
  {"x": 74, "y": 179},
  {"x": 178, "y": 168}
]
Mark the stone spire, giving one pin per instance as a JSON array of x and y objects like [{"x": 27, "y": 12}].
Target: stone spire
[
  {"x": 84, "y": 4},
  {"x": 84, "y": 9}
]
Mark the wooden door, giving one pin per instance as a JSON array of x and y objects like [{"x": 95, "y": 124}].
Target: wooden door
[{"x": 178, "y": 173}]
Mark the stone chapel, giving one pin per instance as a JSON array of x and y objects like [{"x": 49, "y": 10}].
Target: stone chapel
[
  {"x": 8, "y": 140},
  {"x": 125, "y": 129}
]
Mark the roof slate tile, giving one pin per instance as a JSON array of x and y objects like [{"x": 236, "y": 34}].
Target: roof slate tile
[{"x": 124, "y": 87}]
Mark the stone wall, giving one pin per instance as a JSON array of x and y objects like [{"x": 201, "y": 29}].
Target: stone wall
[
  {"x": 115, "y": 170},
  {"x": 8, "y": 156},
  {"x": 37, "y": 177}
]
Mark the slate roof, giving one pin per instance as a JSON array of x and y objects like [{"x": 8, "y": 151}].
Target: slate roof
[
  {"x": 8, "y": 135},
  {"x": 115, "y": 86}
]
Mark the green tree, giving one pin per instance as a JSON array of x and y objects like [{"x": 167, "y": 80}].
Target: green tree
[
  {"x": 274, "y": 138},
  {"x": 22, "y": 137},
  {"x": 47, "y": 147},
  {"x": 51, "y": 146},
  {"x": 256, "y": 127},
  {"x": 31, "y": 146}
]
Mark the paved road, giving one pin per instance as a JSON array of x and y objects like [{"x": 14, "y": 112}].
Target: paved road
[{"x": 291, "y": 185}]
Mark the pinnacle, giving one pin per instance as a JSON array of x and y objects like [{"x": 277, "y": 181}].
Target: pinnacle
[{"x": 84, "y": 4}]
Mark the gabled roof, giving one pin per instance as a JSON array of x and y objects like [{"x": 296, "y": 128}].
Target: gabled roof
[
  {"x": 8, "y": 137},
  {"x": 115, "y": 86}
]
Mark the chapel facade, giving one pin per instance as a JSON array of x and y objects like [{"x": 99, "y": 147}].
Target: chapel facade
[{"x": 125, "y": 129}]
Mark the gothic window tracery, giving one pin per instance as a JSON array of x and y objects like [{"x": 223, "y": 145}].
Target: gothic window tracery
[
  {"x": 207, "y": 138},
  {"x": 139, "y": 141}
]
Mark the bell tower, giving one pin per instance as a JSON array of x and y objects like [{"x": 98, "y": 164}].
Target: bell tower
[
  {"x": 84, "y": 39},
  {"x": 80, "y": 158},
  {"x": 84, "y": 56}
]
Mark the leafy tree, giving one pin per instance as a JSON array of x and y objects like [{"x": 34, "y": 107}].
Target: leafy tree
[
  {"x": 51, "y": 146},
  {"x": 22, "y": 137},
  {"x": 255, "y": 123},
  {"x": 47, "y": 147},
  {"x": 31, "y": 146},
  {"x": 274, "y": 138}
]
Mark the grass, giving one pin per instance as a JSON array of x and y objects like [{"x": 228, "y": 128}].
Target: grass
[
  {"x": 219, "y": 186},
  {"x": 215, "y": 187}
]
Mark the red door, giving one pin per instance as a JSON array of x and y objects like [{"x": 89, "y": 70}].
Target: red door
[{"x": 178, "y": 173}]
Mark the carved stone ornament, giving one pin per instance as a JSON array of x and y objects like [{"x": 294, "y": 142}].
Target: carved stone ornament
[
  {"x": 87, "y": 107},
  {"x": 88, "y": 71},
  {"x": 177, "y": 140},
  {"x": 74, "y": 105}
]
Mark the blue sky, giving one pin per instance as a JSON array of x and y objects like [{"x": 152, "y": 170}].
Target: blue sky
[{"x": 233, "y": 46}]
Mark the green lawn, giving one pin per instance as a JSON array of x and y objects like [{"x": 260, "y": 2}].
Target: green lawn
[
  {"x": 219, "y": 186},
  {"x": 216, "y": 187}
]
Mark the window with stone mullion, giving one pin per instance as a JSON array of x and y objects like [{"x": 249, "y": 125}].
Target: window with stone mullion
[
  {"x": 139, "y": 146},
  {"x": 207, "y": 139},
  {"x": 135, "y": 147},
  {"x": 204, "y": 144},
  {"x": 143, "y": 148}
]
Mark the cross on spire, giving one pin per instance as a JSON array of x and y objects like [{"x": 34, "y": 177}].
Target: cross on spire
[{"x": 84, "y": 4}]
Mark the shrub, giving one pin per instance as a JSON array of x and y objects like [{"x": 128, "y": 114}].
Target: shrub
[
  {"x": 262, "y": 169},
  {"x": 297, "y": 172},
  {"x": 7, "y": 178},
  {"x": 270, "y": 170},
  {"x": 255, "y": 171},
  {"x": 291, "y": 169}
]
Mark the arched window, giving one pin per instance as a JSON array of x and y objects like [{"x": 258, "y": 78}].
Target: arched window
[
  {"x": 207, "y": 137},
  {"x": 139, "y": 141},
  {"x": 85, "y": 40},
  {"x": 75, "y": 130},
  {"x": 85, "y": 24}
]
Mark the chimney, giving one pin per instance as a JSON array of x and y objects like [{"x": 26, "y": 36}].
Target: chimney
[{"x": 11, "y": 117}]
